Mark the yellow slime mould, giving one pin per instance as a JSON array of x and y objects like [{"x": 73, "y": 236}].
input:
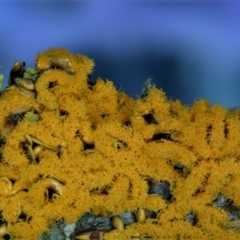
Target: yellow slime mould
[{"x": 72, "y": 150}]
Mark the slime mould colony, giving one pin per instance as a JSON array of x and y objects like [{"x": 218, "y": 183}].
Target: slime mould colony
[{"x": 84, "y": 153}]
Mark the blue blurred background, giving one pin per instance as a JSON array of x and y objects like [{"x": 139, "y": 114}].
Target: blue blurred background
[{"x": 190, "y": 48}]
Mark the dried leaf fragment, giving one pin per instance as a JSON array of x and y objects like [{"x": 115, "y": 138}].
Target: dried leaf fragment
[
  {"x": 3, "y": 229},
  {"x": 5, "y": 186},
  {"x": 20, "y": 110},
  {"x": 63, "y": 64},
  {"x": 26, "y": 83}
]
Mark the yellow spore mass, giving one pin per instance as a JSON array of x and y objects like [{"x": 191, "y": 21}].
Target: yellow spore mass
[{"x": 90, "y": 148}]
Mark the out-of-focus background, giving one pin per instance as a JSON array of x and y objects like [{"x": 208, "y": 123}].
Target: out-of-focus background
[{"x": 191, "y": 49}]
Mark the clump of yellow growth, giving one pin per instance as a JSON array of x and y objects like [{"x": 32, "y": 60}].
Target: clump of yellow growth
[{"x": 95, "y": 137}]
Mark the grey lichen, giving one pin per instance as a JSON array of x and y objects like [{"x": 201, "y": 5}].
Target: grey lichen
[
  {"x": 59, "y": 231},
  {"x": 147, "y": 87}
]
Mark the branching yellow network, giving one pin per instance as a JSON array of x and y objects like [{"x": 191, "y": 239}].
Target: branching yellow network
[{"x": 70, "y": 147}]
